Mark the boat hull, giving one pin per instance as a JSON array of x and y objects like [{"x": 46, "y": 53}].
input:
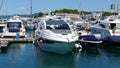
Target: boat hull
[
  {"x": 90, "y": 41},
  {"x": 56, "y": 47},
  {"x": 112, "y": 41}
]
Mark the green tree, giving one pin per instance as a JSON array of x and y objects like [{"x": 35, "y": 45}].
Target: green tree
[
  {"x": 73, "y": 11},
  {"x": 108, "y": 14},
  {"x": 40, "y": 14}
]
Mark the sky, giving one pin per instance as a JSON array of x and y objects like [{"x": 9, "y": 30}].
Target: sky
[{"x": 10, "y": 7}]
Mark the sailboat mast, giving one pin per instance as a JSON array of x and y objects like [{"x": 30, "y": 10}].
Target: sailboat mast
[
  {"x": 80, "y": 7},
  {"x": 1, "y": 5},
  {"x": 31, "y": 9}
]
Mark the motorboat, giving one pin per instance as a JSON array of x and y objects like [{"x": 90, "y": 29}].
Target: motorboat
[
  {"x": 14, "y": 27},
  {"x": 89, "y": 41},
  {"x": 2, "y": 24},
  {"x": 85, "y": 36},
  {"x": 108, "y": 30},
  {"x": 56, "y": 36},
  {"x": 29, "y": 25}
]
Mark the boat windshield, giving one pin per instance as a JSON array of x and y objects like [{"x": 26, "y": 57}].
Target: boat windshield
[
  {"x": 118, "y": 25},
  {"x": 14, "y": 25},
  {"x": 57, "y": 24}
]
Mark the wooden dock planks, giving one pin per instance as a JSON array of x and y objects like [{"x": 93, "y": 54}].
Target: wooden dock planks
[
  {"x": 15, "y": 40},
  {"x": 5, "y": 41}
]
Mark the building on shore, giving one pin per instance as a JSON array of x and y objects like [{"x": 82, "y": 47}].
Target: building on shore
[
  {"x": 68, "y": 15},
  {"x": 114, "y": 8}
]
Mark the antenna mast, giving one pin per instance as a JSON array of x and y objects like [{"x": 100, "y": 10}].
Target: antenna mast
[
  {"x": 31, "y": 9},
  {"x": 80, "y": 8}
]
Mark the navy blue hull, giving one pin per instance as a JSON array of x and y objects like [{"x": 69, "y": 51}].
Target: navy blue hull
[
  {"x": 90, "y": 38},
  {"x": 112, "y": 40},
  {"x": 89, "y": 41}
]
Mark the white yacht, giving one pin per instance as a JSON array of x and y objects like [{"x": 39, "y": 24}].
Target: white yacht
[
  {"x": 2, "y": 24},
  {"x": 14, "y": 26},
  {"x": 56, "y": 36}
]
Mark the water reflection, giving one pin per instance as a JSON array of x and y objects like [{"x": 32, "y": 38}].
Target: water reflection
[
  {"x": 20, "y": 55},
  {"x": 52, "y": 60},
  {"x": 110, "y": 57},
  {"x": 89, "y": 58},
  {"x": 30, "y": 33}
]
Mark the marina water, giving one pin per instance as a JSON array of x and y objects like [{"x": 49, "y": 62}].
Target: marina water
[{"x": 27, "y": 55}]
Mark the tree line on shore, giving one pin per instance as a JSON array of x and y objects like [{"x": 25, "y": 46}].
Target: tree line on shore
[{"x": 73, "y": 11}]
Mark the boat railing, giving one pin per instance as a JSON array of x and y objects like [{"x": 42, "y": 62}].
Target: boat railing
[{"x": 48, "y": 33}]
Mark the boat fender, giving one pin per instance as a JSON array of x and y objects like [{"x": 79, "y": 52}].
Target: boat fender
[
  {"x": 78, "y": 47},
  {"x": 41, "y": 41},
  {"x": 17, "y": 35},
  {"x": 87, "y": 30}
]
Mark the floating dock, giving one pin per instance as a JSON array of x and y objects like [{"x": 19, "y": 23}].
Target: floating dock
[
  {"x": 17, "y": 40},
  {"x": 5, "y": 41}
]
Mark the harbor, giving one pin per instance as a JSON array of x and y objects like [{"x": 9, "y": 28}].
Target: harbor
[
  {"x": 59, "y": 34},
  {"x": 54, "y": 38},
  {"x": 27, "y": 55}
]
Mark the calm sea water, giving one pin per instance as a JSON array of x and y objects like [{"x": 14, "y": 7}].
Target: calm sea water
[{"x": 26, "y": 55}]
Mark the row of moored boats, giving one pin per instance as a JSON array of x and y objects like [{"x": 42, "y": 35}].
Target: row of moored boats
[{"x": 61, "y": 35}]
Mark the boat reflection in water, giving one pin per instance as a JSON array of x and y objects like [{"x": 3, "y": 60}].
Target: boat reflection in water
[
  {"x": 17, "y": 55},
  {"x": 20, "y": 55},
  {"x": 53, "y": 60},
  {"x": 27, "y": 56},
  {"x": 89, "y": 58}
]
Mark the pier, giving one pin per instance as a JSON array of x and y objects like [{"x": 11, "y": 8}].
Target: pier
[{"x": 5, "y": 41}]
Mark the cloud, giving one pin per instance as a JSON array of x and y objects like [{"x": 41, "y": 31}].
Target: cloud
[{"x": 23, "y": 8}]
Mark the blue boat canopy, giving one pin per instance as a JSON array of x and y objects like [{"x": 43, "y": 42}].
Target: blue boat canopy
[{"x": 14, "y": 26}]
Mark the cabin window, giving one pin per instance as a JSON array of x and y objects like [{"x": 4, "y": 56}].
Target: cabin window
[
  {"x": 118, "y": 25},
  {"x": 62, "y": 26},
  {"x": 56, "y": 24},
  {"x": 14, "y": 25},
  {"x": 112, "y": 25},
  {"x": 102, "y": 25},
  {"x": 42, "y": 26}
]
